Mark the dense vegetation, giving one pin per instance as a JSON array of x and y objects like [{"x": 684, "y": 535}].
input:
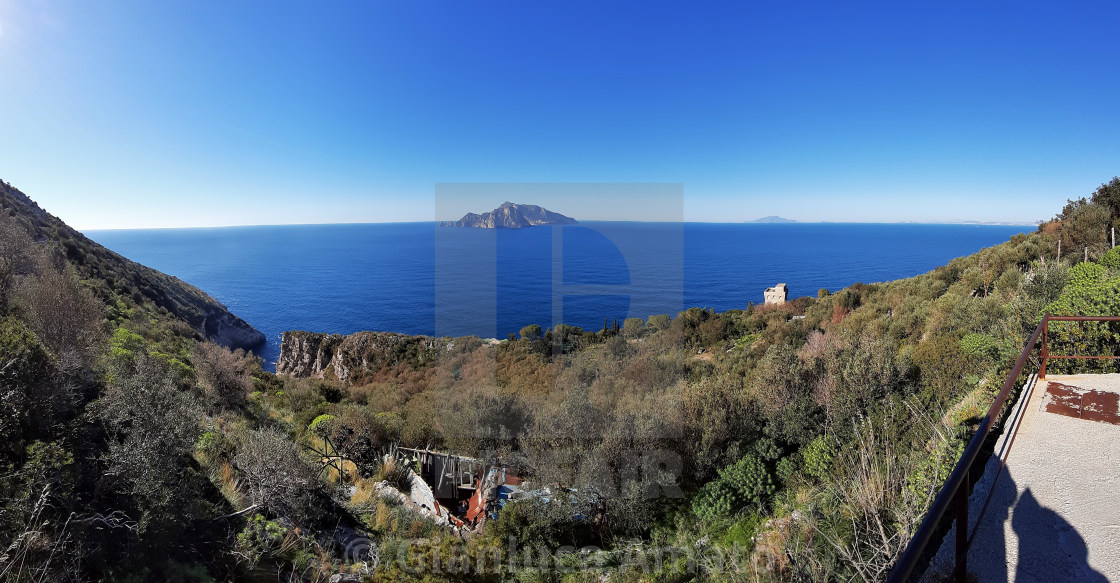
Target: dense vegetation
[
  {"x": 775, "y": 443},
  {"x": 123, "y": 285}
]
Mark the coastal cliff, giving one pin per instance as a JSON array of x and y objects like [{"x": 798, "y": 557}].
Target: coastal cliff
[
  {"x": 116, "y": 280},
  {"x": 347, "y": 358},
  {"x": 512, "y": 216}
]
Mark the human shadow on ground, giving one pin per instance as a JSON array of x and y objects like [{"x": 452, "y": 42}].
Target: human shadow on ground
[{"x": 1049, "y": 548}]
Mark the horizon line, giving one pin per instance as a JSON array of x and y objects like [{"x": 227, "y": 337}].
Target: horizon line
[{"x": 436, "y": 222}]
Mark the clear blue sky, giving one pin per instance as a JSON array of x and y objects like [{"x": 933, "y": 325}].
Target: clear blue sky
[{"x": 145, "y": 114}]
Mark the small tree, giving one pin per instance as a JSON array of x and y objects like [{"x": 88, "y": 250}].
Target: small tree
[
  {"x": 226, "y": 375},
  {"x": 65, "y": 315},
  {"x": 1085, "y": 227},
  {"x": 1108, "y": 195},
  {"x": 152, "y": 428},
  {"x": 531, "y": 332},
  {"x": 633, "y": 327},
  {"x": 660, "y": 322},
  {"x": 18, "y": 255}
]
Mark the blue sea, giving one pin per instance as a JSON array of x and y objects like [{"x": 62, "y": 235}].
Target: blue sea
[{"x": 419, "y": 278}]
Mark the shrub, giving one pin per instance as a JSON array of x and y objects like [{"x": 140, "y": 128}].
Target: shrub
[
  {"x": 276, "y": 477},
  {"x": 817, "y": 456},
  {"x": 786, "y": 468},
  {"x": 26, "y": 364},
  {"x": 745, "y": 482},
  {"x": 396, "y": 473},
  {"x": 1111, "y": 259},
  {"x": 225, "y": 374},
  {"x": 1088, "y": 292},
  {"x": 259, "y": 539},
  {"x": 659, "y": 322},
  {"x": 152, "y": 426},
  {"x": 633, "y": 327},
  {"x": 979, "y": 345},
  {"x": 531, "y": 332}
]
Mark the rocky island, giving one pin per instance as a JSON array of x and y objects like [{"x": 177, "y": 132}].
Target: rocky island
[{"x": 511, "y": 216}]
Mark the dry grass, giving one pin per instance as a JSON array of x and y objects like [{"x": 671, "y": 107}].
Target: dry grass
[
  {"x": 383, "y": 517},
  {"x": 972, "y": 407},
  {"x": 364, "y": 492},
  {"x": 396, "y": 473},
  {"x": 230, "y": 486},
  {"x": 350, "y": 473}
]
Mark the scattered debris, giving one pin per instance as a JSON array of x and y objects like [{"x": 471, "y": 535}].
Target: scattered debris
[{"x": 453, "y": 490}]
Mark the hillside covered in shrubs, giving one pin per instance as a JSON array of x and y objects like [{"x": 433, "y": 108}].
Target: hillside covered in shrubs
[{"x": 800, "y": 442}]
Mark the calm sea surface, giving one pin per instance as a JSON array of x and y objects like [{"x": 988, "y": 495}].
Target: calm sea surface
[{"x": 419, "y": 278}]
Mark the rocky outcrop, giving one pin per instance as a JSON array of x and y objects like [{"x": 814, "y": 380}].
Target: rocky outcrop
[
  {"x": 113, "y": 277},
  {"x": 347, "y": 358},
  {"x": 223, "y": 327},
  {"x": 512, "y": 216}
]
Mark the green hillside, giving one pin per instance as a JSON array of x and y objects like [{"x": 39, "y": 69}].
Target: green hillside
[
  {"x": 122, "y": 283},
  {"x": 800, "y": 442}
]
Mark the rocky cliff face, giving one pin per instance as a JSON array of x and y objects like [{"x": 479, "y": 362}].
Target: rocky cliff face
[
  {"x": 347, "y": 358},
  {"x": 512, "y": 216},
  {"x": 113, "y": 277}
]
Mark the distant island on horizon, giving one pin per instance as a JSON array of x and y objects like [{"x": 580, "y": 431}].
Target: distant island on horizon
[
  {"x": 511, "y": 216},
  {"x": 773, "y": 219}
]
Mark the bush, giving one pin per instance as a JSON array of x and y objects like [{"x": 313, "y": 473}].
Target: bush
[
  {"x": 259, "y": 539},
  {"x": 276, "y": 477},
  {"x": 152, "y": 427},
  {"x": 786, "y": 469},
  {"x": 633, "y": 327},
  {"x": 396, "y": 473},
  {"x": 27, "y": 364},
  {"x": 817, "y": 456},
  {"x": 745, "y": 482},
  {"x": 1111, "y": 259},
  {"x": 979, "y": 345},
  {"x": 659, "y": 322},
  {"x": 531, "y": 332},
  {"x": 1089, "y": 292},
  {"x": 225, "y": 374}
]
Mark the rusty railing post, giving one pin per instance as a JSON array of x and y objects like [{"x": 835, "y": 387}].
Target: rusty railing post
[
  {"x": 1045, "y": 350},
  {"x": 961, "y": 572}
]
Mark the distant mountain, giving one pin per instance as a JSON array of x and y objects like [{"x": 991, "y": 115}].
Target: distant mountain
[
  {"x": 118, "y": 281},
  {"x": 511, "y": 216},
  {"x": 772, "y": 219}
]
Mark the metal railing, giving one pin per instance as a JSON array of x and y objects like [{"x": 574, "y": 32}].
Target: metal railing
[
  {"x": 1046, "y": 348},
  {"x": 956, "y": 488}
]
